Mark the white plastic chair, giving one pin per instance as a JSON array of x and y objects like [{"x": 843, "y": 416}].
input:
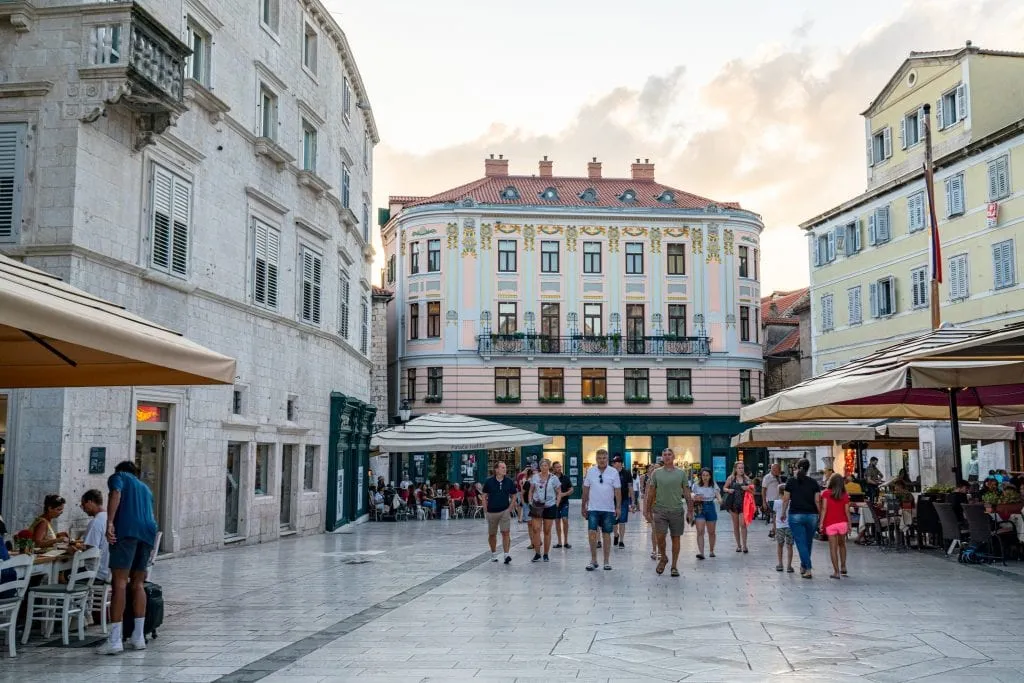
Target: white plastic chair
[
  {"x": 22, "y": 566},
  {"x": 99, "y": 601},
  {"x": 56, "y": 602}
]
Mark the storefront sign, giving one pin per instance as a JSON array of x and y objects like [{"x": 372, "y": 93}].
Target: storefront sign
[
  {"x": 992, "y": 214},
  {"x": 97, "y": 460},
  {"x": 150, "y": 413},
  {"x": 339, "y": 498}
]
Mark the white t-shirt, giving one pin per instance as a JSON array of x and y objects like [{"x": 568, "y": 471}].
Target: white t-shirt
[
  {"x": 96, "y": 537},
  {"x": 603, "y": 486},
  {"x": 544, "y": 495},
  {"x": 777, "y": 506}
]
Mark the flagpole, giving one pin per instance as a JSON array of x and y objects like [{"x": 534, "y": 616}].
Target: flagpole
[{"x": 929, "y": 181}]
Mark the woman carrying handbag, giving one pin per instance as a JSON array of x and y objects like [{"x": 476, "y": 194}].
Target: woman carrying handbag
[{"x": 736, "y": 486}]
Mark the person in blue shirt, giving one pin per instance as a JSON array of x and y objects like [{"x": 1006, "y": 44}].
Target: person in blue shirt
[{"x": 131, "y": 532}]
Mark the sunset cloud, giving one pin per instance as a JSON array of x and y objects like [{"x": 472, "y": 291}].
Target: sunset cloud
[{"x": 780, "y": 133}]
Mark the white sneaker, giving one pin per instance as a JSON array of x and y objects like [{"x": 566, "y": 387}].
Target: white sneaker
[
  {"x": 109, "y": 648},
  {"x": 137, "y": 645}
]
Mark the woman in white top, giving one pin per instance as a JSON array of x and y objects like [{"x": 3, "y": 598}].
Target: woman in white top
[
  {"x": 545, "y": 494},
  {"x": 705, "y": 497}
]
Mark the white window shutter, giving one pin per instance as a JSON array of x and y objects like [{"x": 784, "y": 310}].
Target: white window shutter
[
  {"x": 163, "y": 193},
  {"x": 887, "y": 141},
  {"x": 12, "y": 173},
  {"x": 993, "y": 180},
  {"x": 259, "y": 261},
  {"x": 903, "y": 133},
  {"x": 939, "y": 118},
  {"x": 312, "y": 278},
  {"x": 182, "y": 221},
  {"x": 873, "y": 296},
  {"x": 882, "y": 225},
  {"x": 961, "y": 102},
  {"x": 920, "y": 124},
  {"x": 954, "y": 278},
  {"x": 892, "y": 295},
  {"x": 965, "y": 277},
  {"x": 856, "y": 235},
  {"x": 344, "y": 296},
  {"x": 814, "y": 250},
  {"x": 958, "y": 192},
  {"x": 872, "y": 230},
  {"x": 273, "y": 265}
]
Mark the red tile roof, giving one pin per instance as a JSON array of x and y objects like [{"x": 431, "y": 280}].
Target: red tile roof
[
  {"x": 785, "y": 303},
  {"x": 791, "y": 342},
  {"x": 403, "y": 199},
  {"x": 489, "y": 190}
]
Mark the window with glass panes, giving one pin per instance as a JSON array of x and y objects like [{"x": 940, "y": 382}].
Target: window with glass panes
[
  {"x": 594, "y": 383},
  {"x": 552, "y": 383},
  {"x": 309, "y": 469},
  {"x": 680, "y": 383},
  {"x": 744, "y": 323},
  {"x": 676, "y": 259},
  {"x": 638, "y": 383},
  {"x": 410, "y": 384},
  {"x": 506, "y": 383},
  {"x": 414, "y": 258},
  {"x": 506, "y": 256},
  {"x": 433, "y": 256},
  {"x": 508, "y": 320},
  {"x": 634, "y": 258},
  {"x": 745, "y": 384},
  {"x": 435, "y": 380},
  {"x": 676, "y": 320},
  {"x": 549, "y": 256},
  {"x": 414, "y": 321},
  {"x": 592, "y": 258},
  {"x": 433, "y": 318},
  {"x": 592, "y": 320},
  {"x": 744, "y": 257}
]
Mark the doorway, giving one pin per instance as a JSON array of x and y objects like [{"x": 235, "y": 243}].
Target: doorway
[
  {"x": 152, "y": 420},
  {"x": 287, "y": 518},
  {"x": 635, "y": 341},
  {"x": 638, "y": 451},
  {"x": 232, "y": 488},
  {"x": 591, "y": 445}
]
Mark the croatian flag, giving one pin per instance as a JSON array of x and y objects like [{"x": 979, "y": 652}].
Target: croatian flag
[{"x": 933, "y": 228}]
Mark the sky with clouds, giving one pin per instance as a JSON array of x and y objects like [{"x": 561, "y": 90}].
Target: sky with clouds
[{"x": 738, "y": 100}]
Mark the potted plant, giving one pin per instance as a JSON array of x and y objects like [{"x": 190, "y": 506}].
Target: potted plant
[
  {"x": 551, "y": 399},
  {"x": 1009, "y": 504},
  {"x": 680, "y": 399},
  {"x": 595, "y": 399},
  {"x": 638, "y": 399},
  {"x": 747, "y": 400},
  {"x": 991, "y": 498},
  {"x": 506, "y": 399},
  {"x": 23, "y": 541},
  {"x": 938, "y": 492}
]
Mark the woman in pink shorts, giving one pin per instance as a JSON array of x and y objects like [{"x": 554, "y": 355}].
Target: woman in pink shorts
[{"x": 835, "y": 522}]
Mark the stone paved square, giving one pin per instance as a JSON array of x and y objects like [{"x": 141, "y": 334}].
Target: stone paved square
[{"x": 420, "y": 601}]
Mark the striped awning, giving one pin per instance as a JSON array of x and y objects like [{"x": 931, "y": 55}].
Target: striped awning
[{"x": 444, "y": 432}]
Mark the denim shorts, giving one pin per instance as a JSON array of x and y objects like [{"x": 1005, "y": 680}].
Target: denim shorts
[
  {"x": 563, "y": 512},
  {"x": 130, "y": 553},
  {"x": 708, "y": 513},
  {"x": 623, "y": 513},
  {"x": 600, "y": 519}
]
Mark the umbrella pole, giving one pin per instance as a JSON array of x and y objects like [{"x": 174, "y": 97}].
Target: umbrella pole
[{"x": 954, "y": 423}]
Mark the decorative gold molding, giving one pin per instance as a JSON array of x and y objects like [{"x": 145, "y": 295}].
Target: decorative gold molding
[
  {"x": 613, "y": 239},
  {"x": 728, "y": 238},
  {"x": 486, "y": 233},
  {"x": 655, "y": 240},
  {"x": 453, "y": 235}
]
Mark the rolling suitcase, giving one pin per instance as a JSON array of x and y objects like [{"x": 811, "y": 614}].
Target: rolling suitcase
[{"x": 154, "y": 611}]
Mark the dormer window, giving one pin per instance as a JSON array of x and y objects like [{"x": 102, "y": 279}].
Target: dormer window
[
  {"x": 667, "y": 197},
  {"x": 628, "y": 197},
  {"x": 549, "y": 195},
  {"x": 589, "y": 195},
  {"x": 510, "y": 193}
]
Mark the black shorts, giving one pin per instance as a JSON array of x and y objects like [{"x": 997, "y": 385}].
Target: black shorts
[{"x": 550, "y": 513}]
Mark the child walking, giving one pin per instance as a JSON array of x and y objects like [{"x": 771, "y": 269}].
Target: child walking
[
  {"x": 835, "y": 523},
  {"x": 783, "y": 536}
]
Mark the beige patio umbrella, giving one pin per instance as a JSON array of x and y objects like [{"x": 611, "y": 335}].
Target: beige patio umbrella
[
  {"x": 816, "y": 433},
  {"x": 55, "y": 335}
]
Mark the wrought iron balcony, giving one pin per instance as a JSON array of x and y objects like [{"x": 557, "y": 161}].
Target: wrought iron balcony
[
  {"x": 141, "y": 62},
  {"x": 521, "y": 344}
]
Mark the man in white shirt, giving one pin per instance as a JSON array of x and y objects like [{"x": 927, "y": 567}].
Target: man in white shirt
[
  {"x": 770, "y": 493},
  {"x": 602, "y": 498},
  {"x": 96, "y": 532}
]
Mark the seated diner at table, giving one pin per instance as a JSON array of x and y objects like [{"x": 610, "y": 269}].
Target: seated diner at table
[
  {"x": 425, "y": 499},
  {"x": 43, "y": 535},
  {"x": 455, "y": 497}
]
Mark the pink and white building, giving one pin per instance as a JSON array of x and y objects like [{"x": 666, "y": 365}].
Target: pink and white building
[{"x": 614, "y": 313}]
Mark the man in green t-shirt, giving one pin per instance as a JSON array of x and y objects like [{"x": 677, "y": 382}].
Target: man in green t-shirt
[{"x": 664, "y": 507}]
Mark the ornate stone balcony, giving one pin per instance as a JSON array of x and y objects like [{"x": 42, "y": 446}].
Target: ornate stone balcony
[{"x": 141, "y": 64}]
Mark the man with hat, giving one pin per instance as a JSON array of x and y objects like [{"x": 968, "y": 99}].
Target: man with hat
[{"x": 626, "y": 481}]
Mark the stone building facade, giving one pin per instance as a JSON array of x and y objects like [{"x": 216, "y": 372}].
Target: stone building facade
[
  {"x": 379, "y": 353},
  {"x": 206, "y": 164},
  {"x": 783, "y": 336}
]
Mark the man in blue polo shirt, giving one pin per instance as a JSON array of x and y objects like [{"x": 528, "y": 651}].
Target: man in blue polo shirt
[
  {"x": 499, "y": 491},
  {"x": 131, "y": 532}
]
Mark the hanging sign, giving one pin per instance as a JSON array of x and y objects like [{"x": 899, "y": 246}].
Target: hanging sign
[{"x": 992, "y": 214}]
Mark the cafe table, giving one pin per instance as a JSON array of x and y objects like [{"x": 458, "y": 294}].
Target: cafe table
[{"x": 49, "y": 564}]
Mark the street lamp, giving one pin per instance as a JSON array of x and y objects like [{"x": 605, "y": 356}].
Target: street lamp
[{"x": 404, "y": 412}]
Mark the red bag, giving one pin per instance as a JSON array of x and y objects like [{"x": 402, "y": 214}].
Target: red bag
[{"x": 749, "y": 507}]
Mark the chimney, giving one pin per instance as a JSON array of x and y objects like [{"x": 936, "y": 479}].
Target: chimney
[
  {"x": 496, "y": 168},
  {"x": 545, "y": 168},
  {"x": 594, "y": 169},
  {"x": 644, "y": 171}
]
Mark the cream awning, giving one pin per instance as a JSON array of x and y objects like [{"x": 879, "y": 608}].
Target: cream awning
[
  {"x": 895, "y": 434},
  {"x": 444, "y": 432},
  {"x": 55, "y": 335}
]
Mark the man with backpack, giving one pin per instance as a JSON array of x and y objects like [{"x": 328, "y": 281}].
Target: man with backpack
[{"x": 131, "y": 532}]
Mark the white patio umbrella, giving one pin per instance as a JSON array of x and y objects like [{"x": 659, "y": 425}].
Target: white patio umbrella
[{"x": 444, "y": 432}]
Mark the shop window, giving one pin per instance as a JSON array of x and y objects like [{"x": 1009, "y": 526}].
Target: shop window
[
  {"x": 262, "y": 484},
  {"x": 309, "y": 469}
]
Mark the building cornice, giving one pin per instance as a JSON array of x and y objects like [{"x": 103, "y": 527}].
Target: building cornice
[{"x": 1009, "y": 132}]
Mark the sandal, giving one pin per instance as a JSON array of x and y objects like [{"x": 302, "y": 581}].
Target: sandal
[
  {"x": 607, "y": 567},
  {"x": 745, "y": 551},
  {"x": 739, "y": 550},
  {"x": 778, "y": 567},
  {"x": 834, "y": 576},
  {"x": 700, "y": 556},
  {"x": 592, "y": 566},
  {"x": 808, "y": 576},
  {"x": 843, "y": 572},
  {"x": 660, "y": 569},
  {"x": 712, "y": 554},
  {"x": 789, "y": 570},
  {"x": 674, "y": 572}
]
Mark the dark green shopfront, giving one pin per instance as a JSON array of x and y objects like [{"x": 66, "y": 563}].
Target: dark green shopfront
[
  {"x": 702, "y": 441},
  {"x": 348, "y": 460}
]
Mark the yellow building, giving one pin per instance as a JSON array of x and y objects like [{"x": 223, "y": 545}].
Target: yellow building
[{"x": 870, "y": 256}]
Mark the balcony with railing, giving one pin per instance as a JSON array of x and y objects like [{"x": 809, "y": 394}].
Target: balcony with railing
[
  {"x": 529, "y": 345},
  {"x": 127, "y": 45}
]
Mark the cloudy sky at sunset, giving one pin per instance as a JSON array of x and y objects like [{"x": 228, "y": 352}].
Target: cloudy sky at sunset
[{"x": 736, "y": 100}]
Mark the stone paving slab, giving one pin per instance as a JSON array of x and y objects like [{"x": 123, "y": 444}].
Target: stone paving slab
[{"x": 426, "y": 604}]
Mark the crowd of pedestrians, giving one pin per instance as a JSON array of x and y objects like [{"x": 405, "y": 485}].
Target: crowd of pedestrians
[{"x": 796, "y": 508}]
